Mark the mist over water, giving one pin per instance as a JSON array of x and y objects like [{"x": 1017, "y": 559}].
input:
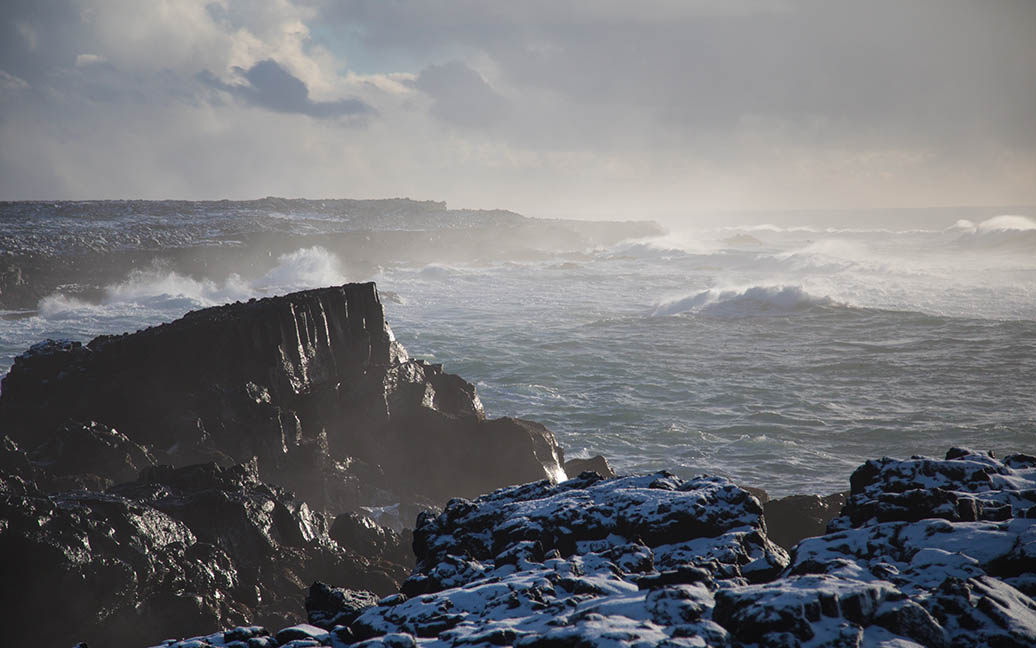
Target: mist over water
[{"x": 781, "y": 356}]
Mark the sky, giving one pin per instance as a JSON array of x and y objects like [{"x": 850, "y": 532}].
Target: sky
[{"x": 547, "y": 107}]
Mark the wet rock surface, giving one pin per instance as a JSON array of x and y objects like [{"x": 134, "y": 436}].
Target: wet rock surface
[
  {"x": 143, "y": 491},
  {"x": 144, "y": 478},
  {"x": 313, "y": 384},
  {"x": 194, "y": 547},
  {"x": 657, "y": 560}
]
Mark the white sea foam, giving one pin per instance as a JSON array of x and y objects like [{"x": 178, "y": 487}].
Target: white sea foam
[
  {"x": 758, "y": 299},
  {"x": 1003, "y": 233},
  {"x": 1007, "y": 223},
  {"x": 159, "y": 288},
  {"x": 304, "y": 268},
  {"x": 59, "y": 306},
  {"x": 439, "y": 271}
]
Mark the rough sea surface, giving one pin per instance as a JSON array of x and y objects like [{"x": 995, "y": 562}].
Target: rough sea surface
[{"x": 781, "y": 357}]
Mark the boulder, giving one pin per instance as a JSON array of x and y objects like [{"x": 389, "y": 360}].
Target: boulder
[
  {"x": 597, "y": 464},
  {"x": 328, "y": 606},
  {"x": 796, "y": 517}
]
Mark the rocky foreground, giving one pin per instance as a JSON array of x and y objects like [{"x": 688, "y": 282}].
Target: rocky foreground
[
  {"x": 937, "y": 553},
  {"x": 261, "y": 463}
]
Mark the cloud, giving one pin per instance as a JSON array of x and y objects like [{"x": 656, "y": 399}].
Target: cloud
[
  {"x": 544, "y": 106},
  {"x": 272, "y": 87},
  {"x": 84, "y": 60},
  {"x": 460, "y": 94},
  {"x": 11, "y": 82}
]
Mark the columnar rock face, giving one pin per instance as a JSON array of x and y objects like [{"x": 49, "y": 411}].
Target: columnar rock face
[{"x": 313, "y": 384}]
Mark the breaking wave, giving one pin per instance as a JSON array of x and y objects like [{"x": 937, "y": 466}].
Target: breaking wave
[
  {"x": 1007, "y": 233},
  {"x": 754, "y": 299},
  {"x": 1005, "y": 223},
  {"x": 159, "y": 287}
]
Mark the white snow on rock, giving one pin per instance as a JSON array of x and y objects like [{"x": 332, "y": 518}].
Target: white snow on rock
[{"x": 935, "y": 553}]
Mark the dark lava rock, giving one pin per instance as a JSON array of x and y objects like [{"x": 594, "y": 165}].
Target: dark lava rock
[
  {"x": 658, "y": 561},
  {"x": 177, "y": 551},
  {"x": 364, "y": 535},
  {"x": 312, "y": 383},
  {"x": 796, "y": 517},
  {"x": 633, "y": 559},
  {"x": 596, "y": 464},
  {"x": 942, "y": 578},
  {"x": 103, "y": 568},
  {"x": 329, "y": 606},
  {"x": 965, "y": 487},
  {"x": 93, "y": 451}
]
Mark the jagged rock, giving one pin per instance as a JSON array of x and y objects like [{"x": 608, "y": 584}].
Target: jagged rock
[
  {"x": 92, "y": 449},
  {"x": 362, "y": 534},
  {"x": 313, "y": 384},
  {"x": 176, "y": 551},
  {"x": 655, "y": 560},
  {"x": 597, "y": 464},
  {"x": 328, "y": 606},
  {"x": 634, "y": 559},
  {"x": 969, "y": 579},
  {"x": 117, "y": 572},
  {"x": 759, "y": 493},
  {"x": 796, "y": 517},
  {"x": 965, "y": 487}
]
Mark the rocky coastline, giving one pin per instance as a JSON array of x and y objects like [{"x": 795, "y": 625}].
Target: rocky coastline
[{"x": 283, "y": 464}]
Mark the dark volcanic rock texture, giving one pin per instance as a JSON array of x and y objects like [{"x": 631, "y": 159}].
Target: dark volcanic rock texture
[
  {"x": 312, "y": 383},
  {"x": 178, "y": 549},
  {"x": 932, "y": 553}
]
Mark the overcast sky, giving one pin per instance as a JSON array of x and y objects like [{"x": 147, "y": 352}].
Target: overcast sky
[{"x": 547, "y": 107}]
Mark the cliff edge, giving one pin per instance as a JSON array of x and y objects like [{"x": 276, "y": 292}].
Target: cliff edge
[{"x": 313, "y": 384}]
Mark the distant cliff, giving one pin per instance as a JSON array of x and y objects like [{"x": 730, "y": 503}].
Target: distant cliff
[{"x": 78, "y": 248}]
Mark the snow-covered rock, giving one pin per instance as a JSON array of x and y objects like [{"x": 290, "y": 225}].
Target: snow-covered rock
[{"x": 655, "y": 560}]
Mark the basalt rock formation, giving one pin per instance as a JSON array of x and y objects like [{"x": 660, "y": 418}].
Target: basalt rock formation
[
  {"x": 926, "y": 553},
  {"x": 312, "y": 384},
  {"x": 192, "y": 547},
  {"x": 791, "y": 519}
]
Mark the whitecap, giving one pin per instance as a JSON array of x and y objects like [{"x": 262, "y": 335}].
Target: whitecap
[{"x": 745, "y": 300}]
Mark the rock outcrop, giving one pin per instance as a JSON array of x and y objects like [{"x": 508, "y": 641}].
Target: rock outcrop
[
  {"x": 194, "y": 547},
  {"x": 792, "y": 519},
  {"x": 932, "y": 553},
  {"x": 313, "y": 384},
  {"x": 144, "y": 477}
]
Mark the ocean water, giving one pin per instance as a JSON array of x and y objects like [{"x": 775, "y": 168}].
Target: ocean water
[{"x": 779, "y": 356}]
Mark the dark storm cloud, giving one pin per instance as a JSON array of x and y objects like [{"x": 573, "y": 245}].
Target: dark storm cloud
[
  {"x": 272, "y": 87},
  {"x": 38, "y": 36},
  {"x": 918, "y": 73},
  {"x": 540, "y": 104},
  {"x": 460, "y": 94}
]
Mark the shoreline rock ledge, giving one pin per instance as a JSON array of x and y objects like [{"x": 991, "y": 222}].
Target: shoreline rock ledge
[
  {"x": 926, "y": 553},
  {"x": 313, "y": 384}
]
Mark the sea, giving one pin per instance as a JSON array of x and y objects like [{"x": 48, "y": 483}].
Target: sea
[{"x": 780, "y": 354}]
